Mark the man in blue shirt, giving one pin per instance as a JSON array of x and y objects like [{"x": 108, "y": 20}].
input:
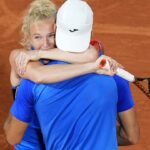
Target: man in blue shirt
[
  {"x": 74, "y": 114},
  {"x": 79, "y": 113},
  {"x": 70, "y": 115}
]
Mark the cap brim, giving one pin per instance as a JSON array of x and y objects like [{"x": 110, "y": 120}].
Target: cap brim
[{"x": 72, "y": 43}]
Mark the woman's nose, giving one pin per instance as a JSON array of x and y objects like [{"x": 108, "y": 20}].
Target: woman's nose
[{"x": 45, "y": 43}]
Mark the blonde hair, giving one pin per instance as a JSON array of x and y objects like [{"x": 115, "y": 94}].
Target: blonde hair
[{"x": 38, "y": 10}]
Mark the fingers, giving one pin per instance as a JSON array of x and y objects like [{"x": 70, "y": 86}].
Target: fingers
[
  {"x": 21, "y": 62},
  {"x": 105, "y": 72},
  {"x": 22, "y": 59},
  {"x": 112, "y": 67},
  {"x": 113, "y": 64}
]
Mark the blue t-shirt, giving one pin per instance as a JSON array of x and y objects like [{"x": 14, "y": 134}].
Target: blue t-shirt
[
  {"x": 32, "y": 139},
  {"x": 125, "y": 99},
  {"x": 74, "y": 112},
  {"x": 71, "y": 115}
]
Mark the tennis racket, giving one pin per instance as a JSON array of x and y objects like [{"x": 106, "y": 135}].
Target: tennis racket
[{"x": 137, "y": 81}]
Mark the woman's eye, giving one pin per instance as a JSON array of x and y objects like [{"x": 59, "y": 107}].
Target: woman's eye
[
  {"x": 37, "y": 37},
  {"x": 52, "y": 35}
]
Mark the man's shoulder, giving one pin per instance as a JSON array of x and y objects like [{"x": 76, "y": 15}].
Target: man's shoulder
[
  {"x": 27, "y": 82},
  {"x": 100, "y": 79},
  {"x": 26, "y": 86},
  {"x": 120, "y": 80}
]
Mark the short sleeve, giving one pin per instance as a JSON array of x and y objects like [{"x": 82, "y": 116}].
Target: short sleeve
[
  {"x": 125, "y": 99},
  {"x": 23, "y": 106}
]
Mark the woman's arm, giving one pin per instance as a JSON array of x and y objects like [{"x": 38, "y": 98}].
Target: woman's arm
[
  {"x": 14, "y": 77},
  {"x": 24, "y": 56},
  {"x": 91, "y": 54},
  {"x": 56, "y": 73},
  {"x": 39, "y": 73}
]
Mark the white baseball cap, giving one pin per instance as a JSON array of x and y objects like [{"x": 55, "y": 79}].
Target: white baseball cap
[{"x": 74, "y": 25}]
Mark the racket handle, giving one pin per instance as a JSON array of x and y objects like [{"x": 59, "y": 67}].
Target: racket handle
[
  {"x": 120, "y": 72},
  {"x": 125, "y": 74}
]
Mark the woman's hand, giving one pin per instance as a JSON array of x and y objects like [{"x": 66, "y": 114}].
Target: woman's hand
[
  {"x": 23, "y": 57},
  {"x": 113, "y": 65}
]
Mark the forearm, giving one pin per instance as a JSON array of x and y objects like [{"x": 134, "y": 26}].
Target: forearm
[
  {"x": 52, "y": 73},
  {"x": 125, "y": 138},
  {"x": 57, "y": 73},
  {"x": 122, "y": 138},
  {"x": 129, "y": 131},
  {"x": 7, "y": 124},
  {"x": 15, "y": 81},
  {"x": 7, "y": 128},
  {"x": 55, "y": 54},
  {"x": 14, "y": 130},
  {"x": 14, "y": 77}
]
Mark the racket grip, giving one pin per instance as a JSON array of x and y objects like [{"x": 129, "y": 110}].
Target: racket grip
[
  {"x": 125, "y": 75},
  {"x": 120, "y": 72}
]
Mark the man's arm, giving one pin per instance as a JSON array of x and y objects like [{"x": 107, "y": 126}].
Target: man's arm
[
  {"x": 128, "y": 131},
  {"x": 14, "y": 130},
  {"x": 21, "y": 113}
]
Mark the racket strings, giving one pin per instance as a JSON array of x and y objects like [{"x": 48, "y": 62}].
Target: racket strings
[
  {"x": 144, "y": 79},
  {"x": 143, "y": 89},
  {"x": 149, "y": 85}
]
